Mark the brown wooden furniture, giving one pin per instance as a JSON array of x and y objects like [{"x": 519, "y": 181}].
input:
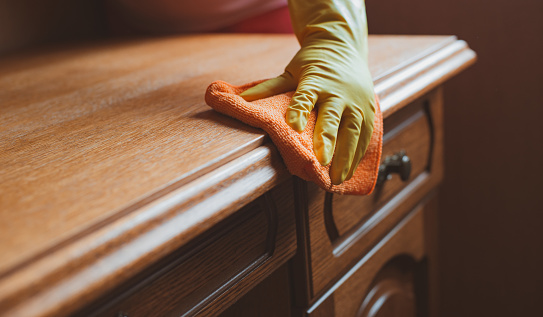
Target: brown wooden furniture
[{"x": 123, "y": 194}]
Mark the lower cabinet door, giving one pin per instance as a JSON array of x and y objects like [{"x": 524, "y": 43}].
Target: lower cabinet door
[
  {"x": 393, "y": 291},
  {"x": 387, "y": 282}
]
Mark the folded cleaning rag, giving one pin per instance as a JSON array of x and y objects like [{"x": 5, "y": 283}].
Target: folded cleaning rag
[{"x": 296, "y": 148}]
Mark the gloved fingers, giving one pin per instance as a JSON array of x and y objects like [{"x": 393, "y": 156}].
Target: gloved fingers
[
  {"x": 271, "y": 87},
  {"x": 363, "y": 143},
  {"x": 326, "y": 129},
  {"x": 346, "y": 146},
  {"x": 302, "y": 103}
]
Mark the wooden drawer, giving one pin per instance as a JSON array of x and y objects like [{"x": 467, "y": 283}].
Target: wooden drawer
[
  {"x": 409, "y": 132},
  {"x": 208, "y": 275},
  {"x": 384, "y": 282},
  {"x": 341, "y": 229}
]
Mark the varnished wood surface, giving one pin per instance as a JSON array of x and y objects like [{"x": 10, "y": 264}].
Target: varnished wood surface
[
  {"x": 97, "y": 140},
  {"x": 97, "y": 131},
  {"x": 349, "y": 296}
]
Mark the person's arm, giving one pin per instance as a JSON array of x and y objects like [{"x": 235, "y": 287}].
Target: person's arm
[{"x": 331, "y": 71}]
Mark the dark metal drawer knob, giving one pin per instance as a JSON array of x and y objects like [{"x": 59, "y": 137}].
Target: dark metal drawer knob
[{"x": 398, "y": 163}]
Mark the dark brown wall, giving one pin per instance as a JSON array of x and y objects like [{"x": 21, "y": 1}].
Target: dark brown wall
[
  {"x": 25, "y": 23},
  {"x": 491, "y": 221}
]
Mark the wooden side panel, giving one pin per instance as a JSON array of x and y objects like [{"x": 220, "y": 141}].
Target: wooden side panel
[
  {"x": 210, "y": 265},
  {"x": 204, "y": 276}
]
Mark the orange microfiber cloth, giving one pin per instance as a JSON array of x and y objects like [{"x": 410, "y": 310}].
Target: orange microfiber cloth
[{"x": 296, "y": 148}]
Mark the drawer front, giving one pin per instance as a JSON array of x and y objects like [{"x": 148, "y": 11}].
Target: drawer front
[
  {"x": 342, "y": 228},
  {"x": 411, "y": 136},
  {"x": 386, "y": 281},
  {"x": 210, "y": 274}
]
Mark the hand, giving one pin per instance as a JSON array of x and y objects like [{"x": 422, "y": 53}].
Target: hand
[{"x": 329, "y": 71}]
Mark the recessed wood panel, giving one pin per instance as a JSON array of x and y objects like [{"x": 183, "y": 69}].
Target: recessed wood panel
[
  {"x": 204, "y": 270},
  {"x": 195, "y": 278},
  {"x": 383, "y": 281},
  {"x": 392, "y": 293}
]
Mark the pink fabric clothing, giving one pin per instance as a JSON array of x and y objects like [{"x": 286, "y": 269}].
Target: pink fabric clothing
[
  {"x": 189, "y": 16},
  {"x": 276, "y": 21}
]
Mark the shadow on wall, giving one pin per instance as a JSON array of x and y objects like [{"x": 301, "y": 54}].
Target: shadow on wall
[
  {"x": 491, "y": 206},
  {"x": 25, "y": 23}
]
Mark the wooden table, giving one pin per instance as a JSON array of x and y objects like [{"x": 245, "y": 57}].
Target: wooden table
[{"x": 122, "y": 193}]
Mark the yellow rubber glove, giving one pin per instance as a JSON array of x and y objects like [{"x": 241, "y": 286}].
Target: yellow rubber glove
[{"x": 331, "y": 71}]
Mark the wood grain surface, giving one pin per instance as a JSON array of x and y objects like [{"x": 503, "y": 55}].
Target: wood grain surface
[{"x": 95, "y": 137}]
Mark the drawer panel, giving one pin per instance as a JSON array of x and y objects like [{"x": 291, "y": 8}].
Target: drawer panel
[
  {"x": 342, "y": 229},
  {"x": 207, "y": 275},
  {"x": 412, "y": 135}
]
